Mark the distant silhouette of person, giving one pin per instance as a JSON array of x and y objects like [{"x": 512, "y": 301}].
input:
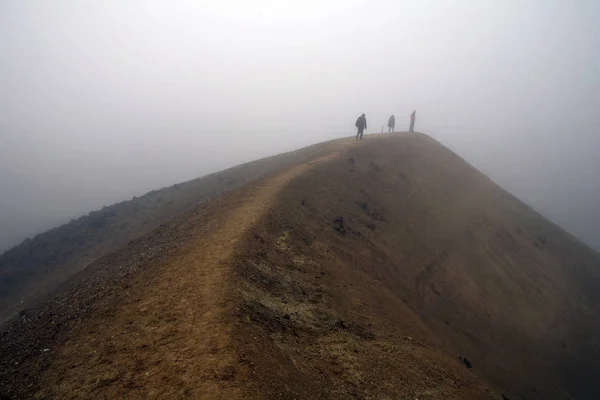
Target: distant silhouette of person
[
  {"x": 413, "y": 116},
  {"x": 361, "y": 125},
  {"x": 391, "y": 124}
]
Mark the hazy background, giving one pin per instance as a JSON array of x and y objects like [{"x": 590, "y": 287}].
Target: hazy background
[{"x": 104, "y": 100}]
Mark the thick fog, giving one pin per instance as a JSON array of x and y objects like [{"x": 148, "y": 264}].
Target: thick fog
[{"x": 104, "y": 100}]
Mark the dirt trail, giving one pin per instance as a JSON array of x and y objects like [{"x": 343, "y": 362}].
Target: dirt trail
[
  {"x": 171, "y": 337},
  {"x": 366, "y": 270}
]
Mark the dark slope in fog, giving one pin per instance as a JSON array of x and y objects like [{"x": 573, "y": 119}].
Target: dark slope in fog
[{"x": 30, "y": 270}]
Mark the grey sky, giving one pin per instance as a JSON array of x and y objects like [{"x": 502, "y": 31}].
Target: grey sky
[{"x": 100, "y": 101}]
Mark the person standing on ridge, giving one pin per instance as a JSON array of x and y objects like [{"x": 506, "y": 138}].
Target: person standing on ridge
[
  {"x": 413, "y": 116},
  {"x": 361, "y": 125},
  {"x": 391, "y": 124}
]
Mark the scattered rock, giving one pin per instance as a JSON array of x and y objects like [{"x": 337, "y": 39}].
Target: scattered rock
[
  {"x": 543, "y": 239},
  {"x": 466, "y": 362},
  {"x": 371, "y": 212},
  {"x": 341, "y": 324},
  {"x": 226, "y": 374},
  {"x": 340, "y": 226},
  {"x": 354, "y": 329},
  {"x": 374, "y": 166},
  {"x": 265, "y": 316}
]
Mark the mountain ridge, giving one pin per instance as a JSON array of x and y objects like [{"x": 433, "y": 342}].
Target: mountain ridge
[
  {"x": 30, "y": 270},
  {"x": 386, "y": 268}
]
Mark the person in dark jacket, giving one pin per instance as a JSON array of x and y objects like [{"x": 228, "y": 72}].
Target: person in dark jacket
[
  {"x": 361, "y": 125},
  {"x": 391, "y": 124},
  {"x": 413, "y": 116}
]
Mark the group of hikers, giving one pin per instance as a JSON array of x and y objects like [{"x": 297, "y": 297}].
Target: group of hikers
[{"x": 361, "y": 124}]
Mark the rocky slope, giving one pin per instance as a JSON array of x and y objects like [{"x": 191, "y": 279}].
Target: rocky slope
[
  {"x": 381, "y": 269},
  {"x": 28, "y": 272}
]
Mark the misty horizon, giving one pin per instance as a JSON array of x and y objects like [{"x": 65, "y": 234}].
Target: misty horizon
[{"x": 105, "y": 101}]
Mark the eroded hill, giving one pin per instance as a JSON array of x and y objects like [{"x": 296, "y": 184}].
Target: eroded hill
[
  {"x": 363, "y": 273},
  {"x": 29, "y": 271}
]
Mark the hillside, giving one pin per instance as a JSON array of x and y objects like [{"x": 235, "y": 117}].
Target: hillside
[
  {"x": 364, "y": 270},
  {"x": 28, "y": 272}
]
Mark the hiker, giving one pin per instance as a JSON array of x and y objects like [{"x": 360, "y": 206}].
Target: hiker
[
  {"x": 391, "y": 124},
  {"x": 413, "y": 116},
  {"x": 361, "y": 125}
]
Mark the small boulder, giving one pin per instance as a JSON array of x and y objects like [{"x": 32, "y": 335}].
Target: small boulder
[{"x": 466, "y": 362}]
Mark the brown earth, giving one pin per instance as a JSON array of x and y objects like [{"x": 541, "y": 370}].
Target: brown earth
[
  {"x": 33, "y": 269},
  {"x": 364, "y": 272}
]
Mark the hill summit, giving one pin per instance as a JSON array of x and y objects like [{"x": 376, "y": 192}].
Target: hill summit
[{"x": 387, "y": 268}]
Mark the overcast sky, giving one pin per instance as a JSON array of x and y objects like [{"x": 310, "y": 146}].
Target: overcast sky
[{"x": 104, "y": 100}]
